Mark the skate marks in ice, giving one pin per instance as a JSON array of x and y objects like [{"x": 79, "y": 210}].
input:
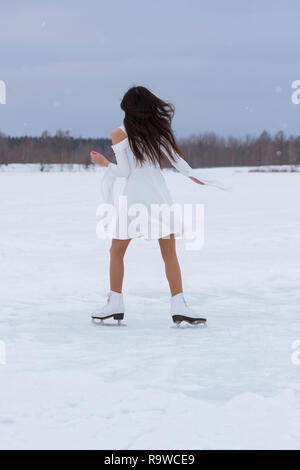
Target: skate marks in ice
[
  {"x": 189, "y": 321},
  {"x": 99, "y": 320}
]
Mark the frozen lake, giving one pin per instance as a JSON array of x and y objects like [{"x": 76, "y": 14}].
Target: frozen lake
[{"x": 70, "y": 384}]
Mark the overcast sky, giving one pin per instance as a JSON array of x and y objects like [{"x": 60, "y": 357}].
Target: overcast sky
[{"x": 226, "y": 65}]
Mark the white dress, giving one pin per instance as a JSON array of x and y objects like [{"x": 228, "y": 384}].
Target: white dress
[{"x": 146, "y": 186}]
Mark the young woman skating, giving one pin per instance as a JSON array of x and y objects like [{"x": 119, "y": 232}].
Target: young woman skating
[{"x": 142, "y": 145}]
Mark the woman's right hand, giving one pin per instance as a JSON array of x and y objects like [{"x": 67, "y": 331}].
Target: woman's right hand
[
  {"x": 98, "y": 158},
  {"x": 196, "y": 180}
]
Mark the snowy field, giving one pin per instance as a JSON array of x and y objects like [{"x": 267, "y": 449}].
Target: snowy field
[{"x": 68, "y": 384}]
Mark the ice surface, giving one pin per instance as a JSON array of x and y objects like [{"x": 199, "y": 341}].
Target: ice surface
[{"x": 70, "y": 384}]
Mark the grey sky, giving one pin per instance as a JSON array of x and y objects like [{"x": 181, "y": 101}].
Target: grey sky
[{"x": 226, "y": 65}]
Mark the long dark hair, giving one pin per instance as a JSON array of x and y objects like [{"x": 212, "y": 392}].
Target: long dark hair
[{"x": 148, "y": 125}]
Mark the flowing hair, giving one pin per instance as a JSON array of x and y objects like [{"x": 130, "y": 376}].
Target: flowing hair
[{"x": 148, "y": 125}]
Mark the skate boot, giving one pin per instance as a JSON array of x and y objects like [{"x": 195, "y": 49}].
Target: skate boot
[
  {"x": 180, "y": 312},
  {"x": 113, "y": 309}
]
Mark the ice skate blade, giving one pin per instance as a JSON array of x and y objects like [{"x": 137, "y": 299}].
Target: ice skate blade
[
  {"x": 98, "y": 322},
  {"x": 185, "y": 325},
  {"x": 114, "y": 316}
]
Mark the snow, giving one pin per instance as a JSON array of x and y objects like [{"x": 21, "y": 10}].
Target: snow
[
  {"x": 33, "y": 167},
  {"x": 68, "y": 384}
]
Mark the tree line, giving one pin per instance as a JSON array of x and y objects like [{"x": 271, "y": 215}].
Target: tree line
[{"x": 200, "y": 151}]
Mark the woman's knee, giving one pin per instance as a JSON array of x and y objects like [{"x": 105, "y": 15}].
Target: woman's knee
[{"x": 118, "y": 249}]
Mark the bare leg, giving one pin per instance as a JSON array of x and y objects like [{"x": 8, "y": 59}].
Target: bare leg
[
  {"x": 117, "y": 251},
  {"x": 168, "y": 251}
]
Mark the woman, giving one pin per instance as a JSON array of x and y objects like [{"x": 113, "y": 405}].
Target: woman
[{"x": 141, "y": 146}]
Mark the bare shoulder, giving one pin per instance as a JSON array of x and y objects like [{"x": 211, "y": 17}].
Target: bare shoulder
[{"x": 117, "y": 135}]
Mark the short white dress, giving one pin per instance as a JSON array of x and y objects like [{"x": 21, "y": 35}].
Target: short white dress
[{"x": 144, "y": 209}]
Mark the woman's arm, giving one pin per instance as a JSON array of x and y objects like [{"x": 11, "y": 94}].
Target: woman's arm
[
  {"x": 119, "y": 146},
  {"x": 194, "y": 174},
  {"x": 183, "y": 167}
]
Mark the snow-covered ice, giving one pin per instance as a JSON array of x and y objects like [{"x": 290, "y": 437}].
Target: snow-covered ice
[{"x": 69, "y": 384}]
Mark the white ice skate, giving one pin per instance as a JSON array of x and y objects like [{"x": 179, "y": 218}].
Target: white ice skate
[
  {"x": 113, "y": 309},
  {"x": 180, "y": 312}
]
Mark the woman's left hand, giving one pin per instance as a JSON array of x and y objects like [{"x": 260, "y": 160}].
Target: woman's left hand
[{"x": 98, "y": 158}]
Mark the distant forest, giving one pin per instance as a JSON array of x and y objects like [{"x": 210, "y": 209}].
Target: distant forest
[{"x": 201, "y": 151}]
